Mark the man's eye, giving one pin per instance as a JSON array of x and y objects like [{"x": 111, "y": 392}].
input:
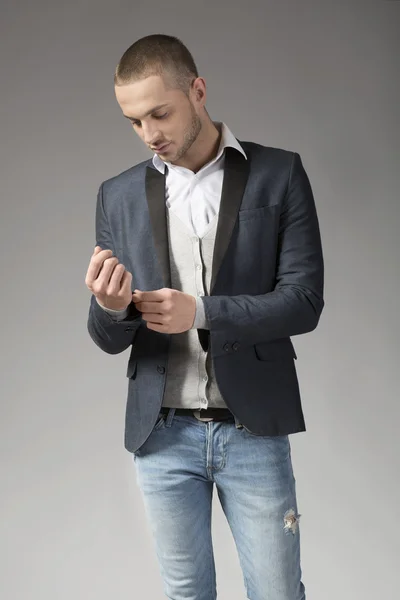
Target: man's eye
[{"x": 155, "y": 116}]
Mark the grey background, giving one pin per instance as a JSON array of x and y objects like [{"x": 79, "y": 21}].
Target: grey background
[{"x": 317, "y": 78}]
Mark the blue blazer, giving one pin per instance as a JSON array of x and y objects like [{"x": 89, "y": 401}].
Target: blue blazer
[{"x": 266, "y": 285}]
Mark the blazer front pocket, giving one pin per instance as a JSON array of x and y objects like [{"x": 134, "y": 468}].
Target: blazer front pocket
[{"x": 275, "y": 350}]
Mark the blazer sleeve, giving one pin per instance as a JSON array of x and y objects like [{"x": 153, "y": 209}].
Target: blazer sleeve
[
  {"x": 295, "y": 305},
  {"x": 111, "y": 335}
]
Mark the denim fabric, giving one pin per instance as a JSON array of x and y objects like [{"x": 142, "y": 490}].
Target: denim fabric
[{"x": 176, "y": 469}]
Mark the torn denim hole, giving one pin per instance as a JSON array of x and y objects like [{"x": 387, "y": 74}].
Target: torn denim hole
[{"x": 291, "y": 521}]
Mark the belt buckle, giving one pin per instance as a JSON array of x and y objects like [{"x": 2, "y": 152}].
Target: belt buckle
[{"x": 199, "y": 418}]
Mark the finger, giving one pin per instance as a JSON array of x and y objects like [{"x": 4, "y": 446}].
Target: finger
[
  {"x": 115, "y": 280},
  {"x": 153, "y": 296},
  {"x": 152, "y": 318},
  {"x": 126, "y": 282},
  {"x": 99, "y": 249},
  {"x": 102, "y": 273},
  {"x": 106, "y": 271},
  {"x": 95, "y": 265},
  {"x": 150, "y": 307}
]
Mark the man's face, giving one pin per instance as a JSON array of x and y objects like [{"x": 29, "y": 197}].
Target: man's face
[{"x": 161, "y": 116}]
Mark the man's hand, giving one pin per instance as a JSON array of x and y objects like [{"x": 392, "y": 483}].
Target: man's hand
[
  {"x": 108, "y": 280},
  {"x": 166, "y": 310}
]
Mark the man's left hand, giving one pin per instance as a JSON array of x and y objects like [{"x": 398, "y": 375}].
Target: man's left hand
[{"x": 166, "y": 310}]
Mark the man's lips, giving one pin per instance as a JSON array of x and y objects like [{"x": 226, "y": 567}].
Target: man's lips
[{"x": 161, "y": 147}]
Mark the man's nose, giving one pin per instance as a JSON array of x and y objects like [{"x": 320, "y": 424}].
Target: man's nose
[{"x": 150, "y": 136}]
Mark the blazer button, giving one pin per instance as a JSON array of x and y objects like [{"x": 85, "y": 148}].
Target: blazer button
[
  {"x": 236, "y": 346},
  {"x": 160, "y": 369},
  {"x": 227, "y": 347}
]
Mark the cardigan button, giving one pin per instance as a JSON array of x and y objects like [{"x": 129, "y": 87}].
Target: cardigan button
[{"x": 160, "y": 369}]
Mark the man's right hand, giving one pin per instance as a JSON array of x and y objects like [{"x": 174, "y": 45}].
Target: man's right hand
[{"x": 108, "y": 280}]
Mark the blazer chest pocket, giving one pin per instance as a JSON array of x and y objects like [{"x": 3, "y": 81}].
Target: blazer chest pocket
[
  {"x": 249, "y": 214},
  {"x": 276, "y": 350},
  {"x": 131, "y": 370}
]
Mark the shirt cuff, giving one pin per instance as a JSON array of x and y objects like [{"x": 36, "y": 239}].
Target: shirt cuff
[
  {"x": 117, "y": 315},
  {"x": 200, "y": 320}
]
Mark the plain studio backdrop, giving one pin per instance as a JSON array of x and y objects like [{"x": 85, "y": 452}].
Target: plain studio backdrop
[{"x": 316, "y": 78}]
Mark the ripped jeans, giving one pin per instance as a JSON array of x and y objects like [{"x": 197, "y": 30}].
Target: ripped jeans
[{"x": 176, "y": 469}]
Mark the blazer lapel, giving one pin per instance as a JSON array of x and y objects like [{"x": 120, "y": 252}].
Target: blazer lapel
[
  {"x": 155, "y": 193},
  {"x": 236, "y": 172}
]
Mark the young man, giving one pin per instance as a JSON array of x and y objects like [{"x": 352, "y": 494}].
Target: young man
[{"x": 208, "y": 259}]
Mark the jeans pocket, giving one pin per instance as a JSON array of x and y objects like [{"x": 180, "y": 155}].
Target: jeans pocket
[{"x": 252, "y": 432}]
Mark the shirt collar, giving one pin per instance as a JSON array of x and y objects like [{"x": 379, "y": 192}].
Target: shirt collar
[{"x": 227, "y": 139}]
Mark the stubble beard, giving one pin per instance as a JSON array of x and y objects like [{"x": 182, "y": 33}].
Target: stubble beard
[{"x": 190, "y": 135}]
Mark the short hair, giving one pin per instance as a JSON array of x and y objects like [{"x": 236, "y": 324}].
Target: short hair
[{"x": 157, "y": 54}]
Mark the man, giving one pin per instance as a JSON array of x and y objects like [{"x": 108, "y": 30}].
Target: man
[{"x": 208, "y": 259}]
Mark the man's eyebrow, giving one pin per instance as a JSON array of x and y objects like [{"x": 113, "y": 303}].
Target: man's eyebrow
[{"x": 148, "y": 112}]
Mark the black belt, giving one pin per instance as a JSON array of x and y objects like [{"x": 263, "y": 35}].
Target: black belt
[{"x": 216, "y": 414}]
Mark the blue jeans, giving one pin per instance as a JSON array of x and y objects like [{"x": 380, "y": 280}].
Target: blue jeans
[{"x": 176, "y": 470}]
